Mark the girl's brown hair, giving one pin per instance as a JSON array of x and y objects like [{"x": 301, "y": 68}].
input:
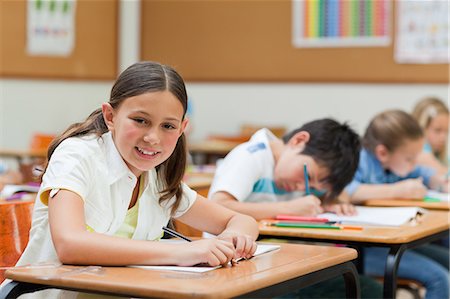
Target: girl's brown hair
[
  {"x": 424, "y": 112},
  {"x": 140, "y": 78},
  {"x": 391, "y": 128}
]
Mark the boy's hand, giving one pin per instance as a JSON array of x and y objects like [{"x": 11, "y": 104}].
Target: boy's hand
[
  {"x": 411, "y": 188},
  {"x": 308, "y": 205},
  {"x": 340, "y": 209},
  {"x": 244, "y": 245}
]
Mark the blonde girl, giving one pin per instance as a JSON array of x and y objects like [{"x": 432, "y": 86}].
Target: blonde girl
[{"x": 433, "y": 116}]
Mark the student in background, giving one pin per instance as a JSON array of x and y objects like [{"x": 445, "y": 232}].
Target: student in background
[
  {"x": 265, "y": 177},
  {"x": 9, "y": 176},
  {"x": 113, "y": 181},
  {"x": 387, "y": 168},
  {"x": 433, "y": 116}
]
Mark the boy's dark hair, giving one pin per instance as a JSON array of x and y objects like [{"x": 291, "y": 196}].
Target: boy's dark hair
[{"x": 334, "y": 146}]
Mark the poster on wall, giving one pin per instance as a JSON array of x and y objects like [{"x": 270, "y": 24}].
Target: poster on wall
[
  {"x": 340, "y": 23},
  {"x": 422, "y": 32},
  {"x": 50, "y": 27}
]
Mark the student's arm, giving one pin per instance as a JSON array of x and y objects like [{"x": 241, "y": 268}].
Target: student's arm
[
  {"x": 303, "y": 206},
  {"x": 75, "y": 245},
  {"x": 237, "y": 228},
  {"x": 410, "y": 188},
  {"x": 10, "y": 177},
  {"x": 440, "y": 183},
  {"x": 429, "y": 160}
]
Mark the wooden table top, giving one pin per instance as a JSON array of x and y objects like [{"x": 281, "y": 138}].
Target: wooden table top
[
  {"x": 290, "y": 261},
  {"x": 430, "y": 223},
  {"x": 212, "y": 147},
  {"x": 14, "y": 153},
  {"x": 198, "y": 180},
  {"x": 400, "y": 202}
]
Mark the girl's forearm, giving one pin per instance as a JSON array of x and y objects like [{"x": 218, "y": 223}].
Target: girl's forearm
[
  {"x": 243, "y": 224},
  {"x": 86, "y": 248}
]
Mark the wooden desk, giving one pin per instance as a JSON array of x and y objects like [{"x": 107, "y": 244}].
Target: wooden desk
[
  {"x": 23, "y": 154},
  {"x": 433, "y": 226},
  {"x": 208, "y": 151},
  {"x": 399, "y": 202},
  {"x": 199, "y": 181},
  {"x": 292, "y": 267}
]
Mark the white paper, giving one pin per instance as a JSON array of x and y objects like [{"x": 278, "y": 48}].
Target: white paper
[
  {"x": 438, "y": 195},
  {"x": 422, "y": 32},
  {"x": 9, "y": 190},
  {"x": 388, "y": 216},
  {"x": 51, "y": 27},
  {"x": 261, "y": 249}
]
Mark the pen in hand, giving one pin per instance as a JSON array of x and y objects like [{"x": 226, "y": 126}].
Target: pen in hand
[
  {"x": 305, "y": 174},
  {"x": 181, "y": 236},
  {"x": 175, "y": 234}
]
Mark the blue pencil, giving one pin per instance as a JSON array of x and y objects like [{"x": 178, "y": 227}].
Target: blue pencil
[{"x": 305, "y": 174}]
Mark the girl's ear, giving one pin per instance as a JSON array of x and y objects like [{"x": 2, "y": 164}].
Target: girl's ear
[
  {"x": 184, "y": 125},
  {"x": 382, "y": 153},
  {"x": 299, "y": 138},
  {"x": 108, "y": 115}
]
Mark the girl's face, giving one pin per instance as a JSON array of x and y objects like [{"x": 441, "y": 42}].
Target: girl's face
[
  {"x": 146, "y": 128},
  {"x": 436, "y": 133},
  {"x": 403, "y": 159},
  {"x": 289, "y": 171}
]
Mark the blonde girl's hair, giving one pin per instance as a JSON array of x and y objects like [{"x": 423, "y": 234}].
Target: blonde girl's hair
[
  {"x": 424, "y": 112},
  {"x": 391, "y": 128},
  {"x": 139, "y": 78}
]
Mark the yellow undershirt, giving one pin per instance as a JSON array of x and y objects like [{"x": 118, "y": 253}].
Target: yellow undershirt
[{"x": 128, "y": 227}]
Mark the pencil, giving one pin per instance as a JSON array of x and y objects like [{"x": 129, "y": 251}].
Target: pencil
[
  {"x": 305, "y": 174},
  {"x": 300, "y": 225},
  {"x": 181, "y": 236},
  {"x": 175, "y": 234}
]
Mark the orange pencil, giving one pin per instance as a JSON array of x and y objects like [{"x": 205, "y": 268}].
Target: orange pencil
[{"x": 353, "y": 227}]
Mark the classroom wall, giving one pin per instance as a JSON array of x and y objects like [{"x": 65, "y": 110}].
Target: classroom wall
[
  {"x": 49, "y": 106},
  {"x": 29, "y": 106}
]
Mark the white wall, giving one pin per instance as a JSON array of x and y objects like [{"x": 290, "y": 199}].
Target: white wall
[{"x": 28, "y": 106}]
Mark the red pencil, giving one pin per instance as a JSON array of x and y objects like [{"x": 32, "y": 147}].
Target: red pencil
[{"x": 301, "y": 218}]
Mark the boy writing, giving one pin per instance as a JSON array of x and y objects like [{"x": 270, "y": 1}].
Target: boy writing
[{"x": 265, "y": 176}]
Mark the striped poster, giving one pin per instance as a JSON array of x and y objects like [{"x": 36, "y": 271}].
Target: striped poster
[{"x": 341, "y": 23}]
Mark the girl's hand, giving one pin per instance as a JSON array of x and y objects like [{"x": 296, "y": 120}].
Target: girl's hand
[
  {"x": 340, "y": 209},
  {"x": 411, "y": 188},
  {"x": 244, "y": 245},
  {"x": 213, "y": 252},
  {"x": 308, "y": 205}
]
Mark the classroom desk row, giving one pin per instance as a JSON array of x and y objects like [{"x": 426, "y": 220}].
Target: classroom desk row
[
  {"x": 434, "y": 225},
  {"x": 276, "y": 273}
]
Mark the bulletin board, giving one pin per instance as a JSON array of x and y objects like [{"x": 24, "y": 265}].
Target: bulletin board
[
  {"x": 94, "y": 55},
  {"x": 240, "y": 41}
]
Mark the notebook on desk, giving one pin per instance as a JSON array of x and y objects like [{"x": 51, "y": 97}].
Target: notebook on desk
[
  {"x": 261, "y": 249},
  {"x": 8, "y": 191},
  {"x": 385, "y": 216},
  {"x": 437, "y": 196}
]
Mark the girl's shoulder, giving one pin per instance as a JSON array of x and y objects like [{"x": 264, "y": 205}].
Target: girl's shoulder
[{"x": 80, "y": 147}]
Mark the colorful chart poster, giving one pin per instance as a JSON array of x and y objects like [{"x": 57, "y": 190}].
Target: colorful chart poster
[
  {"x": 341, "y": 23},
  {"x": 51, "y": 27},
  {"x": 422, "y": 33}
]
